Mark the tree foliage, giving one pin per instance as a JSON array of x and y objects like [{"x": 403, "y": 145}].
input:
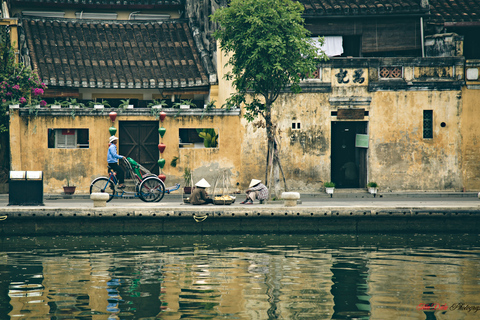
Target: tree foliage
[
  {"x": 18, "y": 83},
  {"x": 269, "y": 52}
]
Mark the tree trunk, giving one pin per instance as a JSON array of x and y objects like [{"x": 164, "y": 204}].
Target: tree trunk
[{"x": 273, "y": 168}]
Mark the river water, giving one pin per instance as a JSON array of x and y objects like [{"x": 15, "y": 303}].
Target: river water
[{"x": 332, "y": 276}]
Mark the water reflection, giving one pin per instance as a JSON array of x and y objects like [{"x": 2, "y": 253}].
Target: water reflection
[{"x": 239, "y": 277}]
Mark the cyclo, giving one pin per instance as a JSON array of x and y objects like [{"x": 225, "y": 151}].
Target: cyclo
[{"x": 148, "y": 187}]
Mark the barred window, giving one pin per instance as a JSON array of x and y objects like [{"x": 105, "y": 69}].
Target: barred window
[
  {"x": 68, "y": 138},
  {"x": 391, "y": 72},
  {"x": 427, "y": 124}
]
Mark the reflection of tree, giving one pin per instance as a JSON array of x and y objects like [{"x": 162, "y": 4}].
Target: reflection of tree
[
  {"x": 349, "y": 289},
  {"x": 139, "y": 293}
]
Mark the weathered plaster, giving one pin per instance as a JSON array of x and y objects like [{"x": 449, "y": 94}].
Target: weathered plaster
[{"x": 31, "y": 152}]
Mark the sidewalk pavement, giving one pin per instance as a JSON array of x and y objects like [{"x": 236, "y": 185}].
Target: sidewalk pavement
[
  {"x": 348, "y": 211},
  {"x": 347, "y": 199}
]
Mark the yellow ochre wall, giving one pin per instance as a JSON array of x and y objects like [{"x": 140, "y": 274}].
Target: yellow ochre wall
[
  {"x": 398, "y": 157},
  {"x": 470, "y": 131},
  {"x": 30, "y": 152}
]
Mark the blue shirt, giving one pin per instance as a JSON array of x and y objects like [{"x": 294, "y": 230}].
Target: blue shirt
[{"x": 112, "y": 156}]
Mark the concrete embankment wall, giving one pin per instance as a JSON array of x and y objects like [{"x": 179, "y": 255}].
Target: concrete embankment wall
[{"x": 105, "y": 221}]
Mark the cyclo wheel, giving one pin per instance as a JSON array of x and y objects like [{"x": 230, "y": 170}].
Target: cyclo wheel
[
  {"x": 103, "y": 184},
  {"x": 151, "y": 189}
]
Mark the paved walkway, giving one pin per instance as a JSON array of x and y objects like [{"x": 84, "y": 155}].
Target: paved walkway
[
  {"x": 354, "y": 199},
  {"x": 345, "y": 212}
]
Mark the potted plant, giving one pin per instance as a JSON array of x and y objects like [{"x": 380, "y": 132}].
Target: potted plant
[
  {"x": 125, "y": 104},
  {"x": 184, "y": 104},
  {"x": 68, "y": 189},
  {"x": 329, "y": 188},
  {"x": 74, "y": 104},
  {"x": 99, "y": 105},
  {"x": 156, "y": 107},
  {"x": 155, "y": 104},
  {"x": 372, "y": 188},
  {"x": 187, "y": 179},
  {"x": 58, "y": 104}
]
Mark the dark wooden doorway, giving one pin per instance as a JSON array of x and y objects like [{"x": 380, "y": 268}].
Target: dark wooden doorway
[
  {"x": 349, "y": 163},
  {"x": 139, "y": 141}
]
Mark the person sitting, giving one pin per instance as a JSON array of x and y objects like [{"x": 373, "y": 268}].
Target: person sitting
[
  {"x": 199, "y": 194},
  {"x": 256, "y": 190},
  {"x": 112, "y": 160}
]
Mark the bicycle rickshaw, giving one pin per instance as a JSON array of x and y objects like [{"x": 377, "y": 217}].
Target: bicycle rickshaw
[{"x": 148, "y": 187}]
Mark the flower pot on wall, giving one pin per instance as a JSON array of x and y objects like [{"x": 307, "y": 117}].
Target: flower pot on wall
[
  {"x": 373, "y": 191},
  {"x": 187, "y": 190},
  {"x": 329, "y": 190},
  {"x": 69, "y": 189}
]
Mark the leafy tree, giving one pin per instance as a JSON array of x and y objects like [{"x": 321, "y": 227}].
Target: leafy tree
[
  {"x": 269, "y": 51},
  {"x": 18, "y": 83}
]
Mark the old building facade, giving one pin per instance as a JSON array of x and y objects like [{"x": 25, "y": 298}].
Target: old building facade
[{"x": 395, "y": 104}]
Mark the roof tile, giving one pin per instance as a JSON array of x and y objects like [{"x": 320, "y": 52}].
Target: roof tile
[
  {"x": 125, "y": 54},
  {"x": 454, "y": 10},
  {"x": 361, "y": 7}
]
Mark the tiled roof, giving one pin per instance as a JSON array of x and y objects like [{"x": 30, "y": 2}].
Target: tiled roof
[
  {"x": 454, "y": 10},
  {"x": 361, "y": 7},
  {"x": 114, "y": 54},
  {"x": 101, "y": 4}
]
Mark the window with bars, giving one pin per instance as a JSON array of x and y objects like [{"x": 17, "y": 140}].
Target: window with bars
[
  {"x": 68, "y": 138},
  {"x": 427, "y": 124}
]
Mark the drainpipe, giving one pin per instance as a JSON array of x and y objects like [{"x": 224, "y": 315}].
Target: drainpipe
[{"x": 421, "y": 35}]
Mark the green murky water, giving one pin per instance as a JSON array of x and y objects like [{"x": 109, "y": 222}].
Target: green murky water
[{"x": 241, "y": 277}]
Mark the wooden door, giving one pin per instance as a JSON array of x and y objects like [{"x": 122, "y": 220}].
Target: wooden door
[
  {"x": 139, "y": 141},
  {"x": 349, "y": 169}
]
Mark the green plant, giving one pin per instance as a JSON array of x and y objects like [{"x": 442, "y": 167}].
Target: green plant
[
  {"x": 329, "y": 184},
  {"x": 187, "y": 176},
  {"x": 372, "y": 184},
  {"x": 173, "y": 163},
  {"x": 74, "y": 102},
  {"x": 124, "y": 104},
  {"x": 210, "y": 105},
  {"x": 161, "y": 103},
  {"x": 184, "y": 103},
  {"x": 68, "y": 181},
  {"x": 209, "y": 136}
]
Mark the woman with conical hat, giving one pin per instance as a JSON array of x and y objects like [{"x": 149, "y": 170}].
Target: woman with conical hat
[
  {"x": 256, "y": 190},
  {"x": 199, "y": 194}
]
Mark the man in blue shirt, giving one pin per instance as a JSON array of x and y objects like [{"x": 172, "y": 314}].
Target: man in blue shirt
[{"x": 112, "y": 159}]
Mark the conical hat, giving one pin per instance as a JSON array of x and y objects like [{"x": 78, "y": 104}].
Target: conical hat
[
  {"x": 202, "y": 184},
  {"x": 254, "y": 182}
]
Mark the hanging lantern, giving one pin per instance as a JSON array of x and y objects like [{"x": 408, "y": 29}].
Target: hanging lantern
[
  {"x": 162, "y": 116},
  {"x": 112, "y": 115},
  {"x": 162, "y": 131},
  {"x": 162, "y": 177},
  {"x": 112, "y": 130},
  {"x": 161, "y": 163},
  {"x": 161, "y": 147}
]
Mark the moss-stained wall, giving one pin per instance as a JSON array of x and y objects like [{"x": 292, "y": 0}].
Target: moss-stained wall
[
  {"x": 30, "y": 152},
  {"x": 470, "y": 131},
  {"x": 398, "y": 157}
]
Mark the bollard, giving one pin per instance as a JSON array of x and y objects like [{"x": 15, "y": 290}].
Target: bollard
[
  {"x": 99, "y": 199},
  {"x": 290, "y": 198}
]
